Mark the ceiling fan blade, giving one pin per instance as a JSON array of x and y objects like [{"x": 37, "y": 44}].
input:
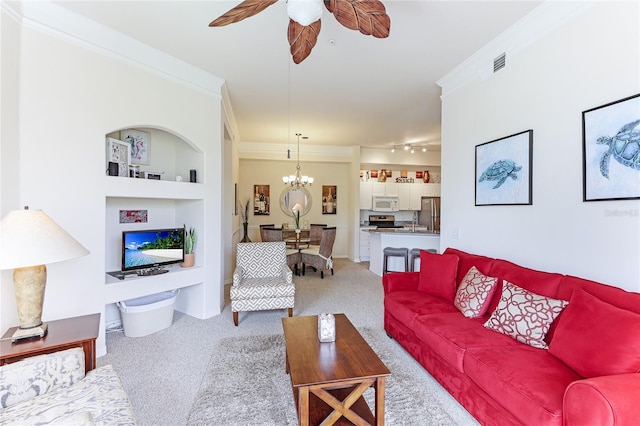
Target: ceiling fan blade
[
  {"x": 302, "y": 38},
  {"x": 244, "y": 10},
  {"x": 368, "y": 16}
]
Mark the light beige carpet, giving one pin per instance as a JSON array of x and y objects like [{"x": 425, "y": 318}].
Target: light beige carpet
[
  {"x": 164, "y": 372},
  {"x": 246, "y": 384}
]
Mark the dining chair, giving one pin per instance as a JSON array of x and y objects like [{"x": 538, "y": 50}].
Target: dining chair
[
  {"x": 271, "y": 234},
  {"x": 319, "y": 257},
  {"x": 315, "y": 233},
  {"x": 270, "y": 225}
]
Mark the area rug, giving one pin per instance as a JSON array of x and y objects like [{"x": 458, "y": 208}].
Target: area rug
[{"x": 246, "y": 384}]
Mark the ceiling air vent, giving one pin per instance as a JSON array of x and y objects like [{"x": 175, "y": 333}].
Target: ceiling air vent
[{"x": 499, "y": 62}]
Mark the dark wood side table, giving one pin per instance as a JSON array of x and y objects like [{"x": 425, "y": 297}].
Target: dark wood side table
[{"x": 78, "y": 332}]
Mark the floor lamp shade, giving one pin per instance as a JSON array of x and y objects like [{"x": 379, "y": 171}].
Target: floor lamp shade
[{"x": 29, "y": 239}]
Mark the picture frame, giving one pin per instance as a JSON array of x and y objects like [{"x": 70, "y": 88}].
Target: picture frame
[
  {"x": 133, "y": 216},
  {"x": 329, "y": 199},
  {"x": 139, "y": 142},
  {"x": 119, "y": 152},
  {"x": 611, "y": 151},
  {"x": 261, "y": 200},
  {"x": 504, "y": 171}
]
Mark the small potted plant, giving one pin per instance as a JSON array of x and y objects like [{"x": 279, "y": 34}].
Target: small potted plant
[{"x": 189, "y": 244}]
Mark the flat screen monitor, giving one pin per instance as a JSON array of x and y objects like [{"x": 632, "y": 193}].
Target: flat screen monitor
[{"x": 152, "y": 248}]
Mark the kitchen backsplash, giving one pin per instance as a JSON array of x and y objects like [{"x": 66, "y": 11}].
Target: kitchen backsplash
[{"x": 401, "y": 217}]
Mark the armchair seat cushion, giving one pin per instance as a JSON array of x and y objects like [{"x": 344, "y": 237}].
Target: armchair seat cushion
[{"x": 261, "y": 288}]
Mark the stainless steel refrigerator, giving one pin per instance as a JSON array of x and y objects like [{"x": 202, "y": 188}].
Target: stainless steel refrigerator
[{"x": 429, "y": 215}]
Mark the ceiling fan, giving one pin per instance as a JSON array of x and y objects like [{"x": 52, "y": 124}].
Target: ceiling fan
[{"x": 367, "y": 16}]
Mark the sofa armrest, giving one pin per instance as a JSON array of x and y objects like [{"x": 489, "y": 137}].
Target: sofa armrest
[
  {"x": 35, "y": 376},
  {"x": 400, "y": 281},
  {"x": 605, "y": 400}
]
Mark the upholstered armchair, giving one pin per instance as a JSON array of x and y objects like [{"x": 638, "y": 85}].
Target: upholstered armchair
[
  {"x": 262, "y": 280},
  {"x": 293, "y": 254},
  {"x": 319, "y": 257}
]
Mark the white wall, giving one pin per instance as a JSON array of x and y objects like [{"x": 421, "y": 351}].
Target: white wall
[
  {"x": 9, "y": 152},
  {"x": 256, "y": 172},
  {"x": 70, "y": 96},
  {"x": 593, "y": 58}
]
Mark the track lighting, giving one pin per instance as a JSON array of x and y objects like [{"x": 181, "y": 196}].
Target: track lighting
[{"x": 408, "y": 147}]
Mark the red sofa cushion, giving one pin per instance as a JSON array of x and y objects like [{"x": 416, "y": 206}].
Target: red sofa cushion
[
  {"x": 539, "y": 282},
  {"x": 407, "y": 305},
  {"x": 450, "y": 335},
  {"x": 528, "y": 382},
  {"x": 616, "y": 296},
  {"x": 467, "y": 260},
  {"x": 596, "y": 338},
  {"x": 438, "y": 274}
]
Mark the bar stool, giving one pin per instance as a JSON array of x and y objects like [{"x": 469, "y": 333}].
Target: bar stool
[
  {"x": 395, "y": 252},
  {"x": 415, "y": 253}
]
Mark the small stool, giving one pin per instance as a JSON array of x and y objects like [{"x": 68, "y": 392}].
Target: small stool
[
  {"x": 415, "y": 253},
  {"x": 395, "y": 252}
]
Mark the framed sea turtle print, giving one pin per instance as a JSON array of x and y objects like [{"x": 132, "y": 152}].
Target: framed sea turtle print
[
  {"x": 503, "y": 172},
  {"x": 611, "y": 151}
]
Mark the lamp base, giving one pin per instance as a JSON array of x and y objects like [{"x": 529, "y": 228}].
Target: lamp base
[{"x": 26, "y": 333}]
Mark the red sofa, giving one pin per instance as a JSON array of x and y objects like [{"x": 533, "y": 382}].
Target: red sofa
[{"x": 588, "y": 374}]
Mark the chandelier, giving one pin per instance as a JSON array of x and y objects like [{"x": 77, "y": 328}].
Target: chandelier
[{"x": 297, "y": 179}]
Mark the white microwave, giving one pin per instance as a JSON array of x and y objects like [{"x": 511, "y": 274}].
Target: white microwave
[{"x": 385, "y": 204}]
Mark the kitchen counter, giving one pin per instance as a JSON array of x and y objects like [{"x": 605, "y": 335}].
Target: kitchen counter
[
  {"x": 398, "y": 237},
  {"x": 401, "y": 231}
]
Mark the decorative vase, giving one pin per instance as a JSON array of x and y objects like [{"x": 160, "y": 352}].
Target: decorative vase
[
  {"x": 245, "y": 239},
  {"x": 189, "y": 260}
]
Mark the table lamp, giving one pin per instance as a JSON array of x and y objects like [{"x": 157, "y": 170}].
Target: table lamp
[{"x": 28, "y": 240}]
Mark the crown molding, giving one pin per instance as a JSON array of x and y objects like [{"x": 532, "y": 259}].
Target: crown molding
[
  {"x": 535, "y": 25},
  {"x": 56, "y": 21},
  {"x": 278, "y": 152}
]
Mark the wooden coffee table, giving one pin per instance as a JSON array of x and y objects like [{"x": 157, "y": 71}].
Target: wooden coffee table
[{"x": 328, "y": 379}]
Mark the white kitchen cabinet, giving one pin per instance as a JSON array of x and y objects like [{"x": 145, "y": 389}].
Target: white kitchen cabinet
[
  {"x": 415, "y": 196},
  {"x": 404, "y": 196},
  {"x": 385, "y": 188},
  {"x": 365, "y": 241},
  {"x": 378, "y": 188},
  {"x": 431, "y": 190},
  {"x": 366, "y": 195}
]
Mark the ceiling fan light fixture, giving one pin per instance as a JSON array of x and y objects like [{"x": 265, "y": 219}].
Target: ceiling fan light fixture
[
  {"x": 424, "y": 149},
  {"x": 304, "y": 12}
]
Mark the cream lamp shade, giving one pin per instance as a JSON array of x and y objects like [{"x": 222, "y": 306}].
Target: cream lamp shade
[{"x": 29, "y": 239}]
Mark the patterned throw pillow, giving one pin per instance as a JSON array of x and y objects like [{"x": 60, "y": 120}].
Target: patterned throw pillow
[
  {"x": 474, "y": 293},
  {"x": 524, "y": 315}
]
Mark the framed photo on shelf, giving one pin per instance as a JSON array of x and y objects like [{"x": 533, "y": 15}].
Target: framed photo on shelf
[
  {"x": 261, "y": 200},
  {"x": 139, "y": 142},
  {"x": 503, "y": 171},
  {"x": 611, "y": 151},
  {"x": 120, "y": 153},
  {"x": 329, "y": 199}
]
